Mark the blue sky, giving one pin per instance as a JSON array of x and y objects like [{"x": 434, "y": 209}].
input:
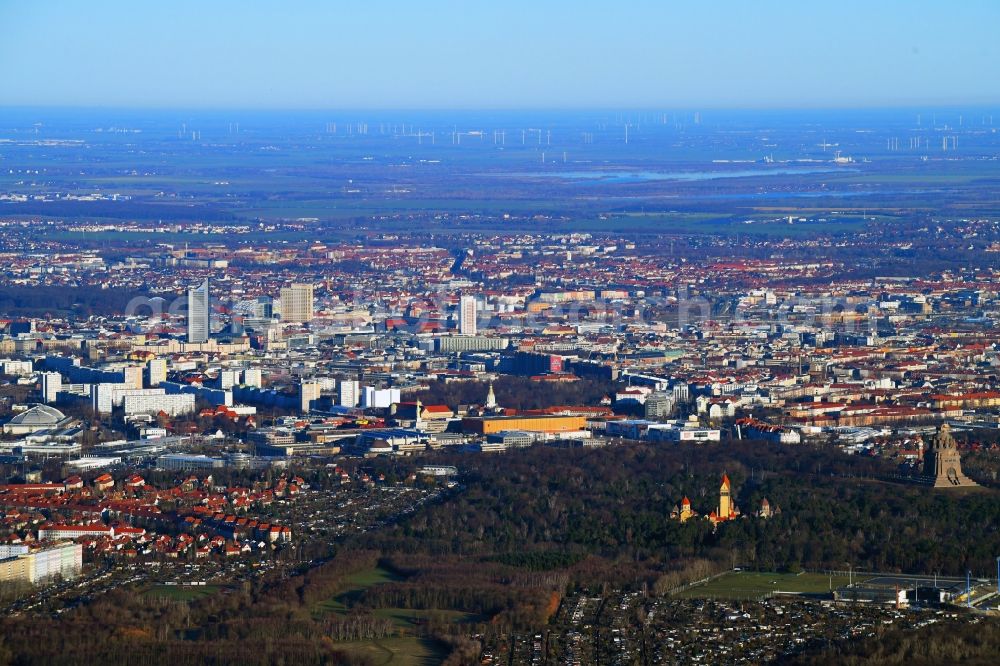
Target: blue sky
[{"x": 558, "y": 54}]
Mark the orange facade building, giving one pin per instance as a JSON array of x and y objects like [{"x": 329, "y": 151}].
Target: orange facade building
[{"x": 488, "y": 425}]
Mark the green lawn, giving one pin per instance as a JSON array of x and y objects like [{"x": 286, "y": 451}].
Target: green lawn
[
  {"x": 752, "y": 584},
  {"x": 403, "y": 649},
  {"x": 397, "y": 651},
  {"x": 353, "y": 586},
  {"x": 183, "y": 592},
  {"x": 371, "y": 577}
]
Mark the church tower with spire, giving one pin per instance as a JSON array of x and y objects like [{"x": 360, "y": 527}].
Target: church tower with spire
[
  {"x": 418, "y": 421},
  {"x": 491, "y": 400}
]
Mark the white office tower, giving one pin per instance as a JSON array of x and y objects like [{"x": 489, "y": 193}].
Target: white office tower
[
  {"x": 51, "y": 385},
  {"x": 350, "y": 393},
  {"x": 379, "y": 398},
  {"x": 228, "y": 378},
  {"x": 309, "y": 393},
  {"x": 102, "y": 397},
  {"x": 197, "y": 313},
  {"x": 297, "y": 303},
  {"x": 467, "y": 315},
  {"x": 252, "y": 377},
  {"x": 156, "y": 371},
  {"x": 132, "y": 376}
]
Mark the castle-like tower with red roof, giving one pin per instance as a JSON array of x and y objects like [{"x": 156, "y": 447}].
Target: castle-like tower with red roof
[{"x": 727, "y": 508}]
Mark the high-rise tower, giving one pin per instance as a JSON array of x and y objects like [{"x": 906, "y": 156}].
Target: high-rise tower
[
  {"x": 297, "y": 303},
  {"x": 467, "y": 315},
  {"x": 51, "y": 385},
  {"x": 197, "y": 313}
]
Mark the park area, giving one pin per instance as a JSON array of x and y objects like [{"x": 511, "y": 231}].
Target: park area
[
  {"x": 397, "y": 651},
  {"x": 405, "y": 645}
]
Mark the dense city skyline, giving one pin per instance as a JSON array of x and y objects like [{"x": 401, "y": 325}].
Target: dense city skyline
[{"x": 453, "y": 333}]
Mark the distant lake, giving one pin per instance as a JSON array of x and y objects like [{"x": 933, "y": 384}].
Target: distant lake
[{"x": 646, "y": 176}]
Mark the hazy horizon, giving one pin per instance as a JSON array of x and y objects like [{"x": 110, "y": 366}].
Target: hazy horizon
[{"x": 624, "y": 111}]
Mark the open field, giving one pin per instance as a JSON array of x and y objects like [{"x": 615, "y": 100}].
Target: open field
[
  {"x": 355, "y": 585},
  {"x": 753, "y": 584},
  {"x": 571, "y": 167},
  {"x": 401, "y": 617},
  {"x": 404, "y": 651}
]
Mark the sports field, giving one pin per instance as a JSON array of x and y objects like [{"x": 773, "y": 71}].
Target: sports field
[
  {"x": 754, "y": 584},
  {"x": 183, "y": 592}
]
